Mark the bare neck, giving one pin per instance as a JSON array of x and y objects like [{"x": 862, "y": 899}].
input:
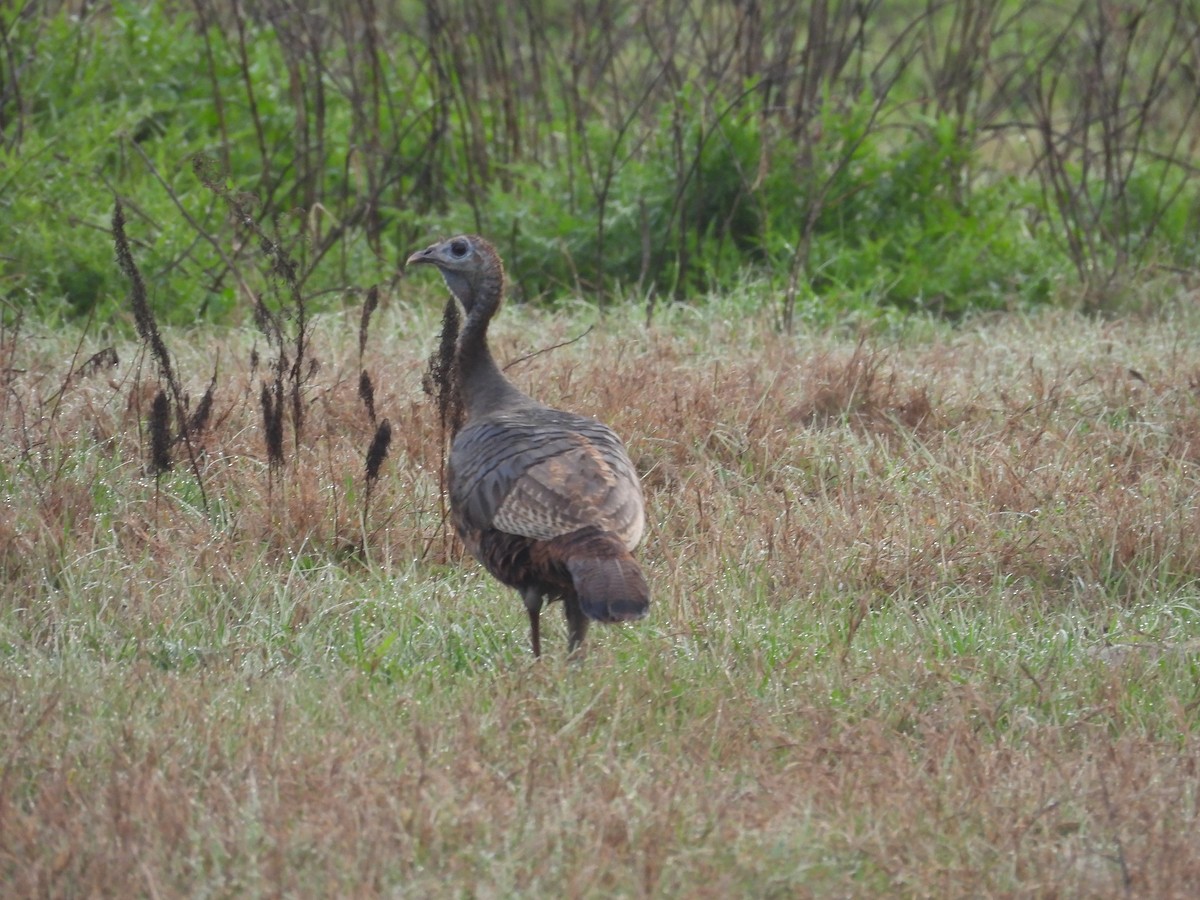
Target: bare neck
[{"x": 484, "y": 387}]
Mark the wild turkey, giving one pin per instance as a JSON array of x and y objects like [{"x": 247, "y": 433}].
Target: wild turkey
[{"x": 546, "y": 500}]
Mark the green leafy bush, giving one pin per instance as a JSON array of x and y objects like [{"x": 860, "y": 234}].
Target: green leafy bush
[{"x": 602, "y": 157}]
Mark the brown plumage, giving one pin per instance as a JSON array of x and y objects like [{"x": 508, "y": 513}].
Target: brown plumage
[{"x": 546, "y": 500}]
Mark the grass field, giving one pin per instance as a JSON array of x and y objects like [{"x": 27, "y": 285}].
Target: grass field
[
  {"x": 925, "y": 621},
  {"x": 923, "y": 542}
]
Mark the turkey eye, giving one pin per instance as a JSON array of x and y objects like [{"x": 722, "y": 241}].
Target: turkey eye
[{"x": 458, "y": 248}]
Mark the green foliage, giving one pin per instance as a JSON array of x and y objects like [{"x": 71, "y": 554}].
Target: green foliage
[
  {"x": 901, "y": 224},
  {"x": 909, "y": 226},
  {"x": 102, "y": 123},
  {"x": 598, "y": 162},
  {"x": 1158, "y": 214},
  {"x": 85, "y": 112}
]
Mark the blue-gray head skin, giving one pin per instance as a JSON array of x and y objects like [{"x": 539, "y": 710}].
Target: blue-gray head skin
[
  {"x": 475, "y": 275},
  {"x": 472, "y": 269}
]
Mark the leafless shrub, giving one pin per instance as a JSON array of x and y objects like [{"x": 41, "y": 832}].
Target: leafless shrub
[
  {"x": 461, "y": 107},
  {"x": 1111, "y": 99},
  {"x": 292, "y": 366},
  {"x": 147, "y": 328}
]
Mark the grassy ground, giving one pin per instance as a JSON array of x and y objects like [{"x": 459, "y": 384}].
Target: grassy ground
[{"x": 925, "y": 623}]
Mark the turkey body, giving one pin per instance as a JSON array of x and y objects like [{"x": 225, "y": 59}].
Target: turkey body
[{"x": 547, "y": 500}]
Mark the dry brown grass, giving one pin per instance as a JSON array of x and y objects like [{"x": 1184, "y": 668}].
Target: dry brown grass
[{"x": 925, "y": 624}]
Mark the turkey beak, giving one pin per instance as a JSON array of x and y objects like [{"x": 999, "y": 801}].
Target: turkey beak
[{"x": 421, "y": 256}]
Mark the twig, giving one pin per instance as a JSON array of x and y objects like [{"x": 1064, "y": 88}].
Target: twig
[{"x": 529, "y": 356}]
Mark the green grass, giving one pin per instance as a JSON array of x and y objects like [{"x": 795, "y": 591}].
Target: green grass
[{"x": 925, "y": 621}]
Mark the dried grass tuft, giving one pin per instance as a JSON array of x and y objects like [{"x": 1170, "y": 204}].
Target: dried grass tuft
[
  {"x": 366, "y": 393},
  {"x": 272, "y": 423},
  {"x": 439, "y": 380},
  {"x": 378, "y": 450},
  {"x": 143, "y": 316},
  {"x": 370, "y": 304},
  {"x": 198, "y": 420},
  {"x": 160, "y": 434}
]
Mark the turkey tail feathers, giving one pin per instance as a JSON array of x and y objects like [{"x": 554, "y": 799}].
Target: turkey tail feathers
[{"x": 610, "y": 589}]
